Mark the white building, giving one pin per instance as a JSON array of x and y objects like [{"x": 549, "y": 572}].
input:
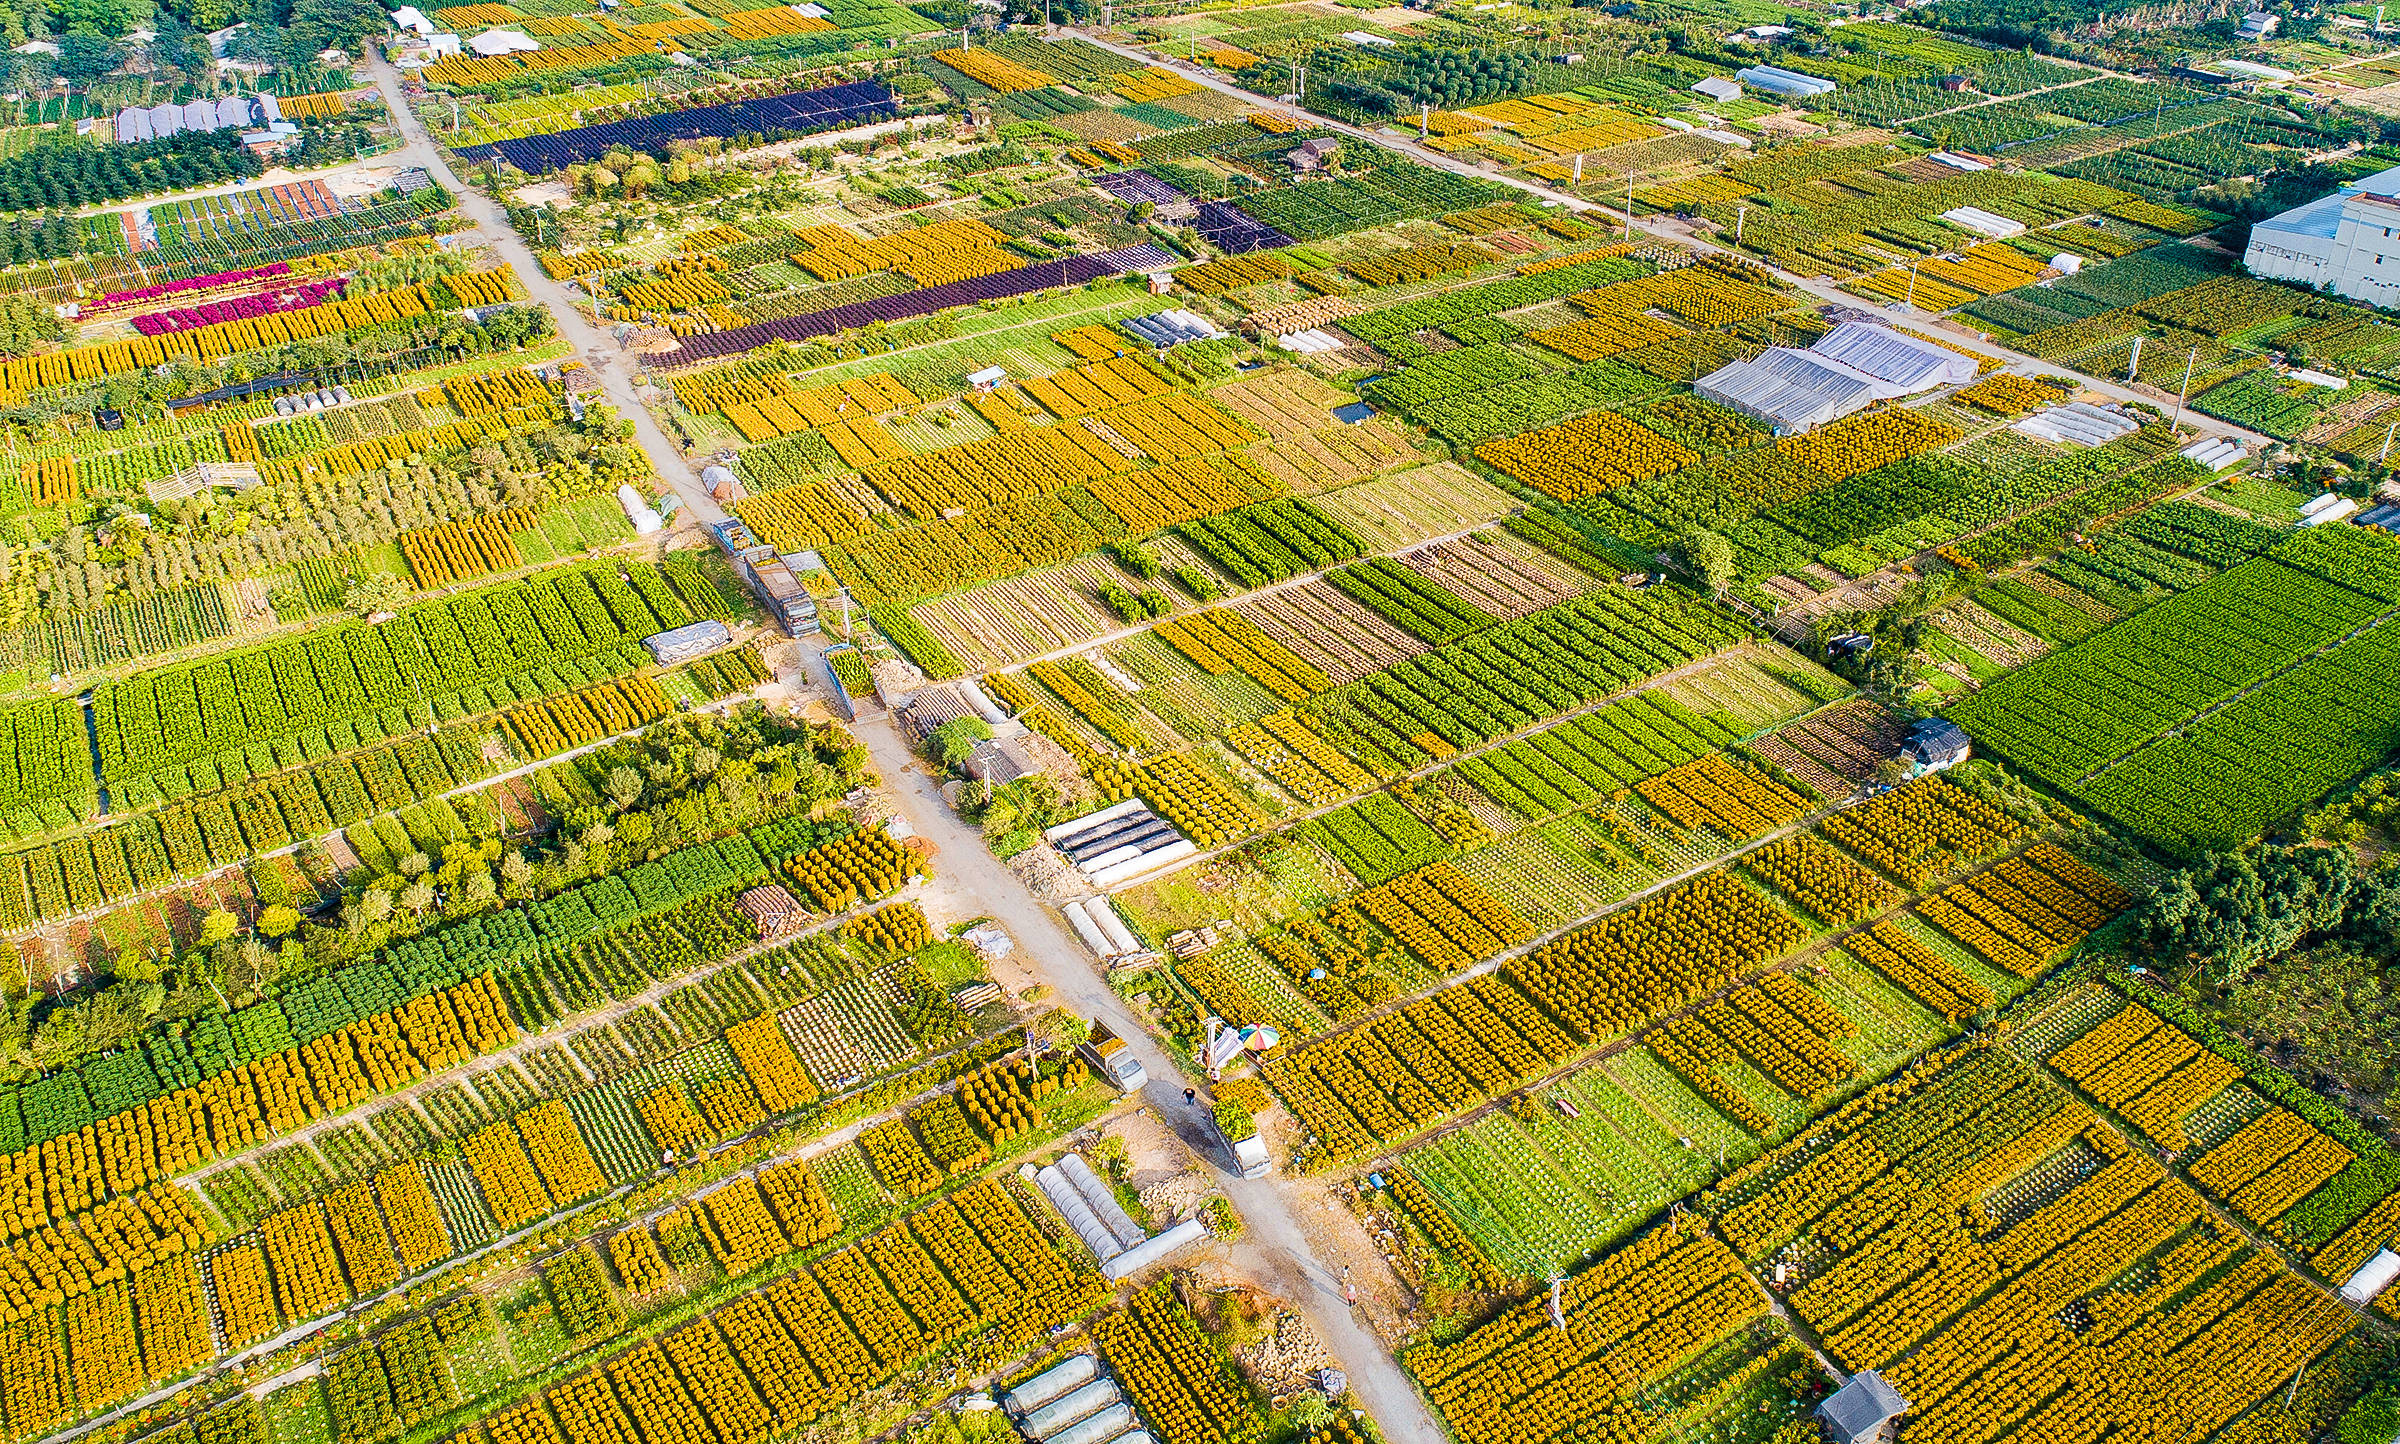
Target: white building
[{"x": 2347, "y": 242}]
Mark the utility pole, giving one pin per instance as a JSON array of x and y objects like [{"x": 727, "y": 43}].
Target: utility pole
[
  {"x": 2185, "y": 393},
  {"x": 2387, "y": 443},
  {"x": 1740, "y": 218},
  {"x": 1911, "y": 303},
  {"x": 2135, "y": 364}
]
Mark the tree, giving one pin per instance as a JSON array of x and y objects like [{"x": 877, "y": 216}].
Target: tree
[
  {"x": 624, "y": 786},
  {"x": 954, "y": 741},
  {"x": 1710, "y": 556},
  {"x": 86, "y": 55},
  {"x": 378, "y": 592},
  {"x": 2227, "y": 912},
  {"x": 417, "y": 897},
  {"x": 218, "y": 926},
  {"x": 2373, "y": 1419},
  {"x": 279, "y": 921},
  {"x": 335, "y": 24}
]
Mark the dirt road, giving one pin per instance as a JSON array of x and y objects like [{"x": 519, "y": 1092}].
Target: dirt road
[
  {"x": 614, "y": 369},
  {"x": 1275, "y": 1249}
]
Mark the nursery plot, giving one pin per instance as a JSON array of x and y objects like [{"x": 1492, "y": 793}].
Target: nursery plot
[
  {"x": 1314, "y": 461},
  {"x": 1412, "y": 507},
  {"x": 468, "y": 1222},
  {"x": 1255, "y": 887},
  {"x": 1495, "y": 572},
  {"x": 1555, "y": 873},
  {"x": 1235, "y": 982},
  {"x": 1007, "y": 621},
  {"x": 1668, "y": 1099},
  {"x": 1331, "y": 631},
  {"x": 620, "y": 1145},
  {"x": 848, "y": 1033},
  {"x": 1200, "y": 705},
  {"x": 1892, "y": 1025},
  {"x": 1835, "y": 750},
  {"x": 1984, "y": 632},
  {"x": 1745, "y": 690},
  {"x": 2147, "y": 1071},
  {"x": 2278, "y": 637},
  {"x": 1285, "y": 403},
  {"x": 1543, "y": 1188},
  {"x": 1182, "y": 707},
  {"x": 2091, "y": 1291}
]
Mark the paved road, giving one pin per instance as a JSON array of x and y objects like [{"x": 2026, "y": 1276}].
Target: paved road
[
  {"x": 597, "y": 350},
  {"x": 1274, "y": 1249}
]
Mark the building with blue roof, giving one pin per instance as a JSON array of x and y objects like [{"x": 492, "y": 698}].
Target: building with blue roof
[{"x": 2347, "y": 242}]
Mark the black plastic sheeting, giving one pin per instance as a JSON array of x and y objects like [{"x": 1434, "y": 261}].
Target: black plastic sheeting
[
  {"x": 924, "y": 301},
  {"x": 827, "y": 108}
]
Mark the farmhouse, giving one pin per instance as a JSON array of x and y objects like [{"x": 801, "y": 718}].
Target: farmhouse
[
  {"x": 1864, "y": 1411},
  {"x": 1933, "y": 744}
]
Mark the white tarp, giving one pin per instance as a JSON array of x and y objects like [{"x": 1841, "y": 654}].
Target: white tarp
[
  {"x": 502, "y": 42},
  {"x": 1055, "y": 1383},
  {"x": 1895, "y": 359},
  {"x": 1983, "y": 222},
  {"x": 2078, "y": 423},
  {"x": 2372, "y": 1278},
  {"x": 1787, "y": 389},
  {"x": 1855, "y": 365},
  {"x": 1310, "y": 342},
  {"x": 1783, "y": 82},
  {"x": 1133, "y": 1261}
]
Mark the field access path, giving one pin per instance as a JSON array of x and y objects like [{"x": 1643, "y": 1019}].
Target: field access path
[
  {"x": 590, "y": 342},
  {"x": 1274, "y": 1248}
]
